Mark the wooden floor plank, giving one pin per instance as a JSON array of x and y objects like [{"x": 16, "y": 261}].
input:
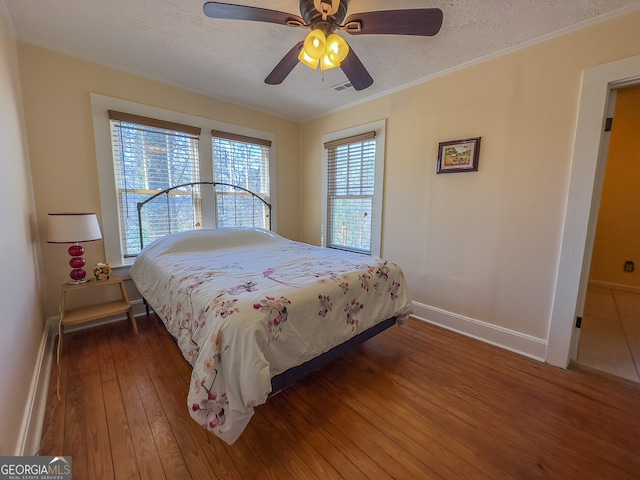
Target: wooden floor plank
[
  {"x": 126, "y": 361},
  {"x": 380, "y": 397},
  {"x": 203, "y": 452},
  {"x": 312, "y": 430},
  {"x": 305, "y": 464},
  {"x": 566, "y": 413},
  {"x": 76, "y": 414},
  {"x": 445, "y": 415},
  {"x": 447, "y": 400},
  {"x": 393, "y": 458},
  {"x": 125, "y": 464},
  {"x": 122, "y": 448},
  {"x": 98, "y": 441},
  {"x": 173, "y": 462},
  {"x": 271, "y": 460},
  {"x": 335, "y": 433},
  {"x": 414, "y": 402}
]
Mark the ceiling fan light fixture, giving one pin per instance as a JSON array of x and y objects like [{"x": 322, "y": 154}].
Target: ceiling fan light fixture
[
  {"x": 326, "y": 63},
  {"x": 337, "y": 49},
  {"x": 329, "y": 52},
  {"x": 315, "y": 44},
  {"x": 305, "y": 59}
]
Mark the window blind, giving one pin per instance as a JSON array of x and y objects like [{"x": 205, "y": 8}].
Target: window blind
[
  {"x": 243, "y": 161},
  {"x": 151, "y": 155},
  {"x": 351, "y": 172}
]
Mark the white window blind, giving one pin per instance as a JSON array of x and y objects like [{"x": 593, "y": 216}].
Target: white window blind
[
  {"x": 351, "y": 178},
  {"x": 151, "y": 155},
  {"x": 243, "y": 161}
]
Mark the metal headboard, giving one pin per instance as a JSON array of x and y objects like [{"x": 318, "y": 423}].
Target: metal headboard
[{"x": 166, "y": 192}]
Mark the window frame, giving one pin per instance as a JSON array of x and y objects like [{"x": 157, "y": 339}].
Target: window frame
[
  {"x": 152, "y": 160},
  {"x": 110, "y": 223},
  {"x": 379, "y": 127}
]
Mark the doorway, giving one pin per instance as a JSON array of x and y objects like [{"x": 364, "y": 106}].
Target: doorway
[
  {"x": 587, "y": 172},
  {"x": 609, "y": 339}
]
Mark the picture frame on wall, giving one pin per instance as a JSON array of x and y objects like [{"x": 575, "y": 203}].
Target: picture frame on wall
[{"x": 459, "y": 155}]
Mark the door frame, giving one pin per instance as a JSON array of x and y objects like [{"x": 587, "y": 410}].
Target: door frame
[{"x": 587, "y": 170}]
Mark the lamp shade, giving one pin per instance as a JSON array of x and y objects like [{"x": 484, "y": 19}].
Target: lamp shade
[
  {"x": 315, "y": 44},
  {"x": 326, "y": 64},
  {"x": 305, "y": 59},
  {"x": 337, "y": 49},
  {"x": 72, "y": 228}
]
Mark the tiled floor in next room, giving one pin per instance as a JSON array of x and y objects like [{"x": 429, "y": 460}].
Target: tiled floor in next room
[{"x": 610, "y": 333}]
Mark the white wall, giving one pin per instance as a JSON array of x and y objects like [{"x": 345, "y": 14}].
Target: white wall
[{"x": 21, "y": 321}]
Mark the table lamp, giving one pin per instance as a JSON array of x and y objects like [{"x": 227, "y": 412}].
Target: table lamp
[{"x": 74, "y": 228}]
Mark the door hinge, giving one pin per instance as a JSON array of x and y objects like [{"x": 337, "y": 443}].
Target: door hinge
[
  {"x": 578, "y": 322},
  {"x": 608, "y": 124}
]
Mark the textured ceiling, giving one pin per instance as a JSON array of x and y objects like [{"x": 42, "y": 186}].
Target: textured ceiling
[{"x": 173, "y": 41}]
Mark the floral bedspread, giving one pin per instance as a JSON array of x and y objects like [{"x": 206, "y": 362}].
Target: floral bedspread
[{"x": 246, "y": 305}]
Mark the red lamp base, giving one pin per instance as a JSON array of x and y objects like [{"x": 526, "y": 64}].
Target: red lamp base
[{"x": 76, "y": 263}]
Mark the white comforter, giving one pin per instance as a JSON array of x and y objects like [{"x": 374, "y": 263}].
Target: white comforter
[{"x": 246, "y": 305}]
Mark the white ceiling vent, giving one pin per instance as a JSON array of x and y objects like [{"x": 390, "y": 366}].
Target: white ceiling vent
[{"x": 342, "y": 86}]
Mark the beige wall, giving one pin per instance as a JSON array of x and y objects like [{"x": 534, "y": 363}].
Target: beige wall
[
  {"x": 618, "y": 231},
  {"x": 21, "y": 320},
  {"x": 480, "y": 246},
  {"x": 56, "y": 92}
]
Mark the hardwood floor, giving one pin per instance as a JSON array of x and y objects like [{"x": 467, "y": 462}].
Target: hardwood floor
[
  {"x": 415, "y": 402},
  {"x": 610, "y": 333}
]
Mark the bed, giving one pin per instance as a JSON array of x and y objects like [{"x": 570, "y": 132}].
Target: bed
[{"x": 252, "y": 311}]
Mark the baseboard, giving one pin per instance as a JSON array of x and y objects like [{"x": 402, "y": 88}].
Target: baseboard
[
  {"x": 614, "y": 286},
  {"x": 31, "y": 432},
  {"x": 505, "y": 338}
]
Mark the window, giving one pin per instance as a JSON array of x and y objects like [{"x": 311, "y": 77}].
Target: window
[
  {"x": 149, "y": 149},
  {"x": 149, "y": 156},
  {"x": 353, "y": 166},
  {"x": 243, "y": 161}
]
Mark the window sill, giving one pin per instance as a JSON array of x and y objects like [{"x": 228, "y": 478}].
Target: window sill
[{"x": 122, "y": 271}]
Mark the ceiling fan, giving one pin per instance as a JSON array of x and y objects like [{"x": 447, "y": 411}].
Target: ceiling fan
[{"x": 323, "y": 46}]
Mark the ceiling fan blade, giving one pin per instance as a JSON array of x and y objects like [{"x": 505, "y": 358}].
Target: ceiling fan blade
[
  {"x": 356, "y": 72},
  {"x": 413, "y": 21},
  {"x": 285, "y": 66},
  {"x": 244, "y": 12}
]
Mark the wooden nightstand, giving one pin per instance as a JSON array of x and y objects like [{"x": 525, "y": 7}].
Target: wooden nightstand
[{"x": 95, "y": 311}]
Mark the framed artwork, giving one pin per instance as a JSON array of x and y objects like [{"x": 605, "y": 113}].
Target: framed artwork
[{"x": 459, "y": 155}]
